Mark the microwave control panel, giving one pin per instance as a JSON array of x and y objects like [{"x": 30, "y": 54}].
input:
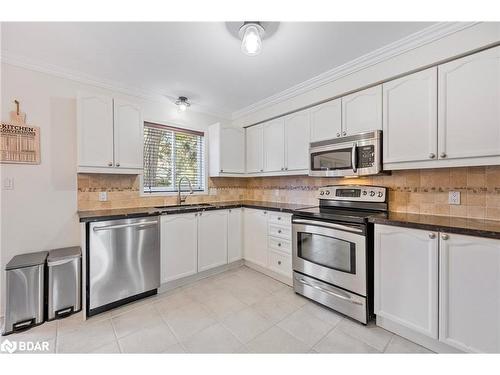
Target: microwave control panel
[
  {"x": 366, "y": 156},
  {"x": 360, "y": 193}
]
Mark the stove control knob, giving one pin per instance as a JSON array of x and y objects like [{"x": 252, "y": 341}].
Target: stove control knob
[
  {"x": 372, "y": 193},
  {"x": 380, "y": 194},
  {"x": 327, "y": 192},
  {"x": 365, "y": 192},
  {"x": 321, "y": 192}
]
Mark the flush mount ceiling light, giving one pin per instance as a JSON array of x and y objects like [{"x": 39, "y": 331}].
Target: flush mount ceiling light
[
  {"x": 251, "y": 34},
  {"x": 182, "y": 103}
]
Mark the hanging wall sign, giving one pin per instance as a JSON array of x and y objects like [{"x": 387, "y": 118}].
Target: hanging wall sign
[{"x": 19, "y": 143}]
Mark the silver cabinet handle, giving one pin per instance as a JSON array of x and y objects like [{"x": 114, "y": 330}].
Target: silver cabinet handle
[
  {"x": 432, "y": 235},
  {"x": 110, "y": 164},
  {"x": 444, "y": 236},
  {"x": 354, "y": 158},
  {"x": 328, "y": 225},
  {"x": 344, "y": 133},
  {"x": 432, "y": 155},
  {"x": 119, "y": 226},
  {"x": 442, "y": 155},
  {"x": 117, "y": 164},
  {"x": 345, "y": 298},
  {"x": 338, "y": 134}
]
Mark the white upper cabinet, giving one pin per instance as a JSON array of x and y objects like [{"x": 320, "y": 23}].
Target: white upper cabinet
[
  {"x": 297, "y": 136},
  {"x": 326, "y": 121},
  {"x": 406, "y": 278},
  {"x": 469, "y": 279},
  {"x": 178, "y": 246},
  {"x": 212, "y": 239},
  {"x": 95, "y": 130},
  {"x": 274, "y": 145},
  {"x": 234, "y": 235},
  {"x": 410, "y": 117},
  {"x": 255, "y": 236},
  {"x": 469, "y": 102},
  {"x": 254, "y": 149},
  {"x": 362, "y": 111},
  {"x": 226, "y": 150},
  {"x": 128, "y": 135}
]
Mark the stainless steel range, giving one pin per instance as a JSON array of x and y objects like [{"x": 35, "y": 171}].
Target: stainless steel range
[{"x": 333, "y": 248}]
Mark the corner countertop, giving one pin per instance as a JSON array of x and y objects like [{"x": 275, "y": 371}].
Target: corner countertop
[
  {"x": 126, "y": 213},
  {"x": 458, "y": 225}
]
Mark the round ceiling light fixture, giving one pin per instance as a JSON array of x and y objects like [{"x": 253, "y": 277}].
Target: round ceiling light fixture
[
  {"x": 182, "y": 103},
  {"x": 251, "y": 34}
]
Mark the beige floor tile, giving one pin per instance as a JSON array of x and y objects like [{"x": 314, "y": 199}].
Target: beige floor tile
[
  {"x": 305, "y": 326},
  {"x": 339, "y": 342},
  {"x": 135, "y": 320},
  {"x": 276, "y": 340},
  {"x": 110, "y": 348},
  {"x": 76, "y": 321},
  {"x": 224, "y": 304},
  {"x": 132, "y": 306},
  {"x": 214, "y": 339},
  {"x": 322, "y": 312},
  {"x": 153, "y": 339},
  {"x": 189, "y": 319},
  {"x": 172, "y": 301},
  {"x": 275, "y": 308},
  {"x": 399, "y": 344},
  {"x": 370, "y": 334},
  {"x": 247, "y": 324},
  {"x": 248, "y": 293},
  {"x": 288, "y": 295},
  {"x": 175, "y": 349},
  {"x": 87, "y": 338}
]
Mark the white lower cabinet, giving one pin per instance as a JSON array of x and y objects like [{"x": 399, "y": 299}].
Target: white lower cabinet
[
  {"x": 469, "y": 280},
  {"x": 179, "y": 251},
  {"x": 255, "y": 236},
  {"x": 234, "y": 235},
  {"x": 212, "y": 239}
]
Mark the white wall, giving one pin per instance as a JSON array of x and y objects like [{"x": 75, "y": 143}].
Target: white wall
[
  {"x": 40, "y": 213},
  {"x": 469, "y": 39}
]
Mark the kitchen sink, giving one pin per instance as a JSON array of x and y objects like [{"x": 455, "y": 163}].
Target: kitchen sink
[{"x": 184, "y": 207}]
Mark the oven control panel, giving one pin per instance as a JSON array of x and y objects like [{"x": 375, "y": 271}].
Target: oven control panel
[{"x": 360, "y": 193}]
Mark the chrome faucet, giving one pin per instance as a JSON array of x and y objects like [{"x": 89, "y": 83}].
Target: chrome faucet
[{"x": 181, "y": 200}]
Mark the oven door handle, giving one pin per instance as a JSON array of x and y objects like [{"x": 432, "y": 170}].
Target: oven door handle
[
  {"x": 328, "y": 225},
  {"x": 348, "y": 299},
  {"x": 354, "y": 159}
]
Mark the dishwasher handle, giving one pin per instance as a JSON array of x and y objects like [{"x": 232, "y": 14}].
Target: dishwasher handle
[{"x": 119, "y": 226}]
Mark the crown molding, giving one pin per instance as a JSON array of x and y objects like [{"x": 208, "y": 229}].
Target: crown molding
[
  {"x": 10, "y": 58},
  {"x": 408, "y": 43}
]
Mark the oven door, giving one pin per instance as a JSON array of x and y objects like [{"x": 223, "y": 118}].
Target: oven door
[{"x": 331, "y": 252}]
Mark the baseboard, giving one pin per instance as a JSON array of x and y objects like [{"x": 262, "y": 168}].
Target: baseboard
[{"x": 265, "y": 271}]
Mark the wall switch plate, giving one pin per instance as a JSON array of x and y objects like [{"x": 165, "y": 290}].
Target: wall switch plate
[
  {"x": 454, "y": 197},
  {"x": 103, "y": 196},
  {"x": 8, "y": 183}
]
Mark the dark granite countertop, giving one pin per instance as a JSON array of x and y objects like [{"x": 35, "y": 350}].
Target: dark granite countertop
[
  {"x": 459, "y": 225},
  {"x": 122, "y": 213}
]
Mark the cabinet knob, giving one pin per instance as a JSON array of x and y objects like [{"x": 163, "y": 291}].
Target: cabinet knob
[
  {"x": 265, "y": 212},
  {"x": 432, "y": 235},
  {"x": 110, "y": 164},
  {"x": 432, "y": 155},
  {"x": 286, "y": 168},
  {"x": 279, "y": 230},
  {"x": 279, "y": 217},
  {"x": 279, "y": 244},
  {"x": 117, "y": 164},
  {"x": 282, "y": 168},
  {"x": 262, "y": 170},
  {"x": 222, "y": 170},
  {"x": 344, "y": 133},
  {"x": 279, "y": 262},
  {"x": 229, "y": 210},
  {"x": 442, "y": 155},
  {"x": 338, "y": 134},
  {"x": 444, "y": 237}
]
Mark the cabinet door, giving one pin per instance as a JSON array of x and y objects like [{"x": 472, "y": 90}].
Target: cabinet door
[
  {"x": 234, "y": 235},
  {"x": 232, "y": 150},
  {"x": 362, "y": 111},
  {"x": 254, "y": 149},
  {"x": 212, "y": 239},
  {"x": 297, "y": 137},
  {"x": 469, "y": 282},
  {"x": 326, "y": 121},
  {"x": 255, "y": 236},
  {"x": 469, "y": 101},
  {"x": 128, "y": 135},
  {"x": 274, "y": 145},
  {"x": 179, "y": 254},
  {"x": 406, "y": 277},
  {"x": 95, "y": 130},
  {"x": 410, "y": 117}
]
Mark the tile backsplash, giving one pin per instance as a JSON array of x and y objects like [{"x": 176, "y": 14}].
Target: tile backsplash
[{"x": 414, "y": 191}]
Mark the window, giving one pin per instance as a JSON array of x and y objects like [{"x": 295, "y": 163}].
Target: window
[{"x": 169, "y": 154}]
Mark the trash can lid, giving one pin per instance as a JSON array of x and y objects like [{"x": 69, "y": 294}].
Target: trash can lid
[
  {"x": 64, "y": 253},
  {"x": 27, "y": 260}
]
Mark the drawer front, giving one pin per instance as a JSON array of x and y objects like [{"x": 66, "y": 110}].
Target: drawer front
[
  {"x": 280, "y": 218},
  {"x": 280, "y": 244},
  {"x": 281, "y": 231},
  {"x": 280, "y": 263}
]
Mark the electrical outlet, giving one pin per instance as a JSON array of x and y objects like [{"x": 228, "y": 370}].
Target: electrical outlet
[
  {"x": 454, "y": 197},
  {"x": 8, "y": 183},
  {"x": 103, "y": 196}
]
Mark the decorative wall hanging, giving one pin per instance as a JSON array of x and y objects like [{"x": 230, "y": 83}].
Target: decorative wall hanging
[{"x": 19, "y": 143}]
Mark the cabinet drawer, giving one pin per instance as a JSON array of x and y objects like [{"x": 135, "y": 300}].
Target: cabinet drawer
[
  {"x": 281, "y": 231},
  {"x": 280, "y": 244},
  {"x": 280, "y": 218},
  {"x": 280, "y": 263}
]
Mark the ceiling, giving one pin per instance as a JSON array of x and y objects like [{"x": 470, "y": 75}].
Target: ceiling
[{"x": 200, "y": 60}]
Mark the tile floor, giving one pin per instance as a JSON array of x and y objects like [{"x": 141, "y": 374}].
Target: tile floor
[{"x": 238, "y": 311}]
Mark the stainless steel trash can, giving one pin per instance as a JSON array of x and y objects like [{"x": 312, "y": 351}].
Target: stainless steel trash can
[
  {"x": 25, "y": 291},
  {"x": 64, "y": 282}
]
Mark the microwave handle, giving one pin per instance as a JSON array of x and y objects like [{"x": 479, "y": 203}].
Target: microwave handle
[{"x": 354, "y": 159}]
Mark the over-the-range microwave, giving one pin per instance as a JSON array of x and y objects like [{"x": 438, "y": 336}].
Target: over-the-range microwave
[{"x": 353, "y": 155}]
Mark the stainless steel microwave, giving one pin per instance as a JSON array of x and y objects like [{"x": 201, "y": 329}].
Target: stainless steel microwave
[{"x": 353, "y": 155}]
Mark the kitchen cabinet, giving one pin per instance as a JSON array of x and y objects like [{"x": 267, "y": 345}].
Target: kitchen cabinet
[
  {"x": 297, "y": 137},
  {"x": 410, "y": 116},
  {"x": 255, "y": 236},
  {"x": 128, "y": 135},
  {"x": 469, "y": 289},
  {"x": 362, "y": 111},
  {"x": 326, "y": 120},
  {"x": 469, "y": 98},
  {"x": 212, "y": 239},
  {"x": 254, "y": 149},
  {"x": 406, "y": 278},
  {"x": 179, "y": 246},
  {"x": 274, "y": 145},
  {"x": 234, "y": 235},
  {"x": 226, "y": 146}
]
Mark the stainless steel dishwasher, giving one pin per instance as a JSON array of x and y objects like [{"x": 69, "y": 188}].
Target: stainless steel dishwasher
[{"x": 123, "y": 262}]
